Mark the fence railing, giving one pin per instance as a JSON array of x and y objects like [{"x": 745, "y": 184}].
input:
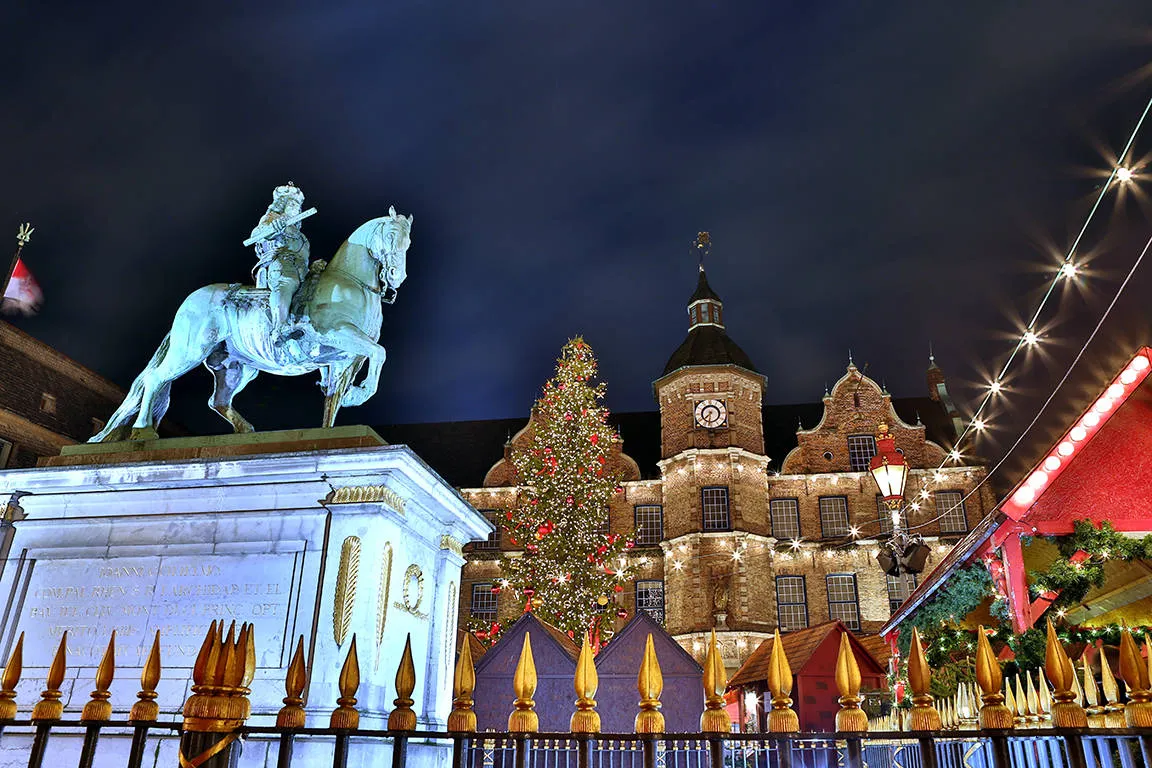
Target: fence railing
[{"x": 214, "y": 732}]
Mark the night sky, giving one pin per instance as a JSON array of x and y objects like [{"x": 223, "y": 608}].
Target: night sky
[{"x": 875, "y": 176}]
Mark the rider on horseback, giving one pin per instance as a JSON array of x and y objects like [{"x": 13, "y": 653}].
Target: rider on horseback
[{"x": 282, "y": 261}]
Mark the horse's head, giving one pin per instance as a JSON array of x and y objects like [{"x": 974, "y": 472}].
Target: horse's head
[{"x": 387, "y": 239}]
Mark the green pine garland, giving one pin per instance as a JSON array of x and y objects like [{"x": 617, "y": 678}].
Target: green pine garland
[
  {"x": 1074, "y": 581},
  {"x": 964, "y": 592}
]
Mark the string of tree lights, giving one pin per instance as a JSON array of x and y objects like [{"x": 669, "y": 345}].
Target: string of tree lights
[{"x": 1123, "y": 173}]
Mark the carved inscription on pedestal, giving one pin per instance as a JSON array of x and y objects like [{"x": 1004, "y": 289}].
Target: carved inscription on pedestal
[{"x": 179, "y": 595}]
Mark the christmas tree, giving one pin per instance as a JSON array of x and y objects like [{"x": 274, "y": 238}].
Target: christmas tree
[{"x": 570, "y": 568}]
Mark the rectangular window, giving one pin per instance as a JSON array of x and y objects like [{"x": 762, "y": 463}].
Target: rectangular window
[
  {"x": 493, "y": 540},
  {"x": 884, "y": 515},
  {"x": 833, "y": 516},
  {"x": 785, "y": 518},
  {"x": 861, "y": 449},
  {"x": 47, "y": 403},
  {"x": 602, "y": 529},
  {"x": 714, "y": 502},
  {"x": 791, "y": 603},
  {"x": 483, "y": 602},
  {"x": 843, "y": 602},
  {"x": 650, "y": 599},
  {"x": 950, "y": 508},
  {"x": 899, "y": 588},
  {"x": 649, "y": 524}
]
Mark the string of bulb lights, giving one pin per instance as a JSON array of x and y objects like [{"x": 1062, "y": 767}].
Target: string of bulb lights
[
  {"x": 1121, "y": 174},
  {"x": 1069, "y": 270}
]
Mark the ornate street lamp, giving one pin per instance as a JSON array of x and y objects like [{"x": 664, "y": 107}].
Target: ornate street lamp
[{"x": 903, "y": 552}]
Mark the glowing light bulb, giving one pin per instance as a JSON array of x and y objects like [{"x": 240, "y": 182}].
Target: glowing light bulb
[
  {"x": 1128, "y": 377},
  {"x": 1052, "y": 463},
  {"x": 1030, "y": 338},
  {"x": 1069, "y": 270},
  {"x": 915, "y": 506},
  {"x": 937, "y": 476},
  {"x": 1123, "y": 175},
  {"x": 1103, "y": 405},
  {"x": 995, "y": 387},
  {"x": 736, "y": 555},
  {"x": 923, "y": 493},
  {"x": 1065, "y": 448},
  {"x": 678, "y": 565},
  {"x": 854, "y": 531},
  {"x": 1037, "y": 478},
  {"x": 1115, "y": 391},
  {"x": 954, "y": 455},
  {"x": 978, "y": 425},
  {"x": 1024, "y": 496},
  {"x": 1077, "y": 434},
  {"x": 795, "y": 543},
  {"x": 1139, "y": 364},
  {"x": 1091, "y": 419}
]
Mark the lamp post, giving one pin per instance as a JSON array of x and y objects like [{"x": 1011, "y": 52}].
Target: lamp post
[{"x": 902, "y": 553}]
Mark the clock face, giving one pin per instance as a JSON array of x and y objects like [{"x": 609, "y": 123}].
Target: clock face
[{"x": 711, "y": 414}]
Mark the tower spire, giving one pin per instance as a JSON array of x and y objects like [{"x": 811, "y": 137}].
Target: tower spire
[{"x": 703, "y": 246}]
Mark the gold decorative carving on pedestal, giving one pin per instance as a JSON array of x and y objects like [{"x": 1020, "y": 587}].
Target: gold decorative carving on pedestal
[
  {"x": 346, "y": 716},
  {"x": 50, "y": 707},
  {"x": 462, "y": 719},
  {"x": 452, "y": 544},
  {"x": 9, "y": 680},
  {"x": 781, "y": 718},
  {"x": 714, "y": 718},
  {"x": 524, "y": 718},
  {"x": 382, "y": 597},
  {"x": 291, "y": 715},
  {"x": 1066, "y": 713},
  {"x": 994, "y": 715},
  {"x": 145, "y": 710},
  {"x": 402, "y": 717},
  {"x": 99, "y": 708},
  {"x": 412, "y": 591},
  {"x": 586, "y": 682},
  {"x": 1138, "y": 710},
  {"x": 344, "y": 601},
  {"x": 650, "y": 684},
  {"x": 924, "y": 716},
  {"x": 361, "y": 494},
  {"x": 850, "y": 717}
]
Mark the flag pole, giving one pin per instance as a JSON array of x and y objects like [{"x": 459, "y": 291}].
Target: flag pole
[{"x": 23, "y": 235}]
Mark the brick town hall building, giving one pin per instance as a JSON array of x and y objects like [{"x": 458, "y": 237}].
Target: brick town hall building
[{"x": 744, "y": 521}]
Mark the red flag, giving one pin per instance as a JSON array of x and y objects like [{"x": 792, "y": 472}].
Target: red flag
[{"x": 23, "y": 295}]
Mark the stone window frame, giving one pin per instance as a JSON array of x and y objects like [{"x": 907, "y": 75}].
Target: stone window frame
[
  {"x": 824, "y": 533},
  {"x": 485, "y": 604},
  {"x": 772, "y": 504},
  {"x": 899, "y": 589},
  {"x": 858, "y": 446},
  {"x": 644, "y": 538},
  {"x": 885, "y": 516},
  {"x": 648, "y": 592},
  {"x": 781, "y": 603},
  {"x": 47, "y": 403},
  {"x": 493, "y": 542},
  {"x": 708, "y": 507},
  {"x": 853, "y": 621},
  {"x": 957, "y": 513}
]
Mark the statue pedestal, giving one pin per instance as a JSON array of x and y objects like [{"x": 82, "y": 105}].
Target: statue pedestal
[{"x": 329, "y": 534}]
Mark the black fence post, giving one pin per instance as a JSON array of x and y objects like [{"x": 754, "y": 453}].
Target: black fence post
[
  {"x": 784, "y": 752},
  {"x": 520, "y": 745},
  {"x": 1000, "y": 756},
  {"x": 583, "y": 750},
  {"x": 136, "y": 751},
  {"x": 853, "y": 752},
  {"x": 340, "y": 753},
  {"x": 1074, "y": 744},
  {"x": 648, "y": 742},
  {"x": 928, "y": 752},
  {"x": 716, "y": 752},
  {"x": 399, "y": 749},
  {"x": 284, "y": 751},
  {"x": 460, "y": 750},
  {"x": 1146, "y": 748},
  {"x": 88, "y": 750},
  {"x": 39, "y": 744}
]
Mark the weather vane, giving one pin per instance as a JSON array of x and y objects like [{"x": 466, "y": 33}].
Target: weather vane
[
  {"x": 703, "y": 246},
  {"x": 24, "y": 233}
]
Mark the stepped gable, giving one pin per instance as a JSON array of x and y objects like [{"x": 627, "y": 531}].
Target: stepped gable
[{"x": 619, "y": 664}]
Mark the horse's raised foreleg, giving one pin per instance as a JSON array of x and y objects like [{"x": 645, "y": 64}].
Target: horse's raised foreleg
[
  {"x": 230, "y": 376},
  {"x": 350, "y": 339},
  {"x": 336, "y": 383}
]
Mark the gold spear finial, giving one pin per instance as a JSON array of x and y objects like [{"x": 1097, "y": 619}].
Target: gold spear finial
[
  {"x": 402, "y": 717},
  {"x": 24, "y": 233},
  {"x": 1010, "y": 701},
  {"x": 994, "y": 715},
  {"x": 715, "y": 718},
  {"x": 346, "y": 716},
  {"x": 1033, "y": 697},
  {"x": 924, "y": 714},
  {"x": 650, "y": 684},
  {"x": 50, "y": 707},
  {"x": 1094, "y": 711},
  {"x": 462, "y": 719},
  {"x": 781, "y": 718},
  {"x": 524, "y": 718},
  {"x": 99, "y": 708},
  {"x": 850, "y": 717},
  {"x": 291, "y": 715},
  {"x": 10, "y": 679},
  {"x": 586, "y": 682},
  {"x": 145, "y": 709},
  {"x": 1066, "y": 713},
  {"x": 1138, "y": 710}
]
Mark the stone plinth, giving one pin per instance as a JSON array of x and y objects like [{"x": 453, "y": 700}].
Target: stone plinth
[{"x": 317, "y": 533}]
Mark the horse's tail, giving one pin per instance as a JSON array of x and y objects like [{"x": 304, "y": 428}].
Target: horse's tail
[{"x": 119, "y": 423}]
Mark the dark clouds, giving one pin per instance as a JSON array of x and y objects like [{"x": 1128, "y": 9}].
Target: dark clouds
[{"x": 874, "y": 176}]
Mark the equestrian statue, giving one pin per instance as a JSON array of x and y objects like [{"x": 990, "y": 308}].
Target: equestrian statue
[{"x": 300, "y": 317}]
